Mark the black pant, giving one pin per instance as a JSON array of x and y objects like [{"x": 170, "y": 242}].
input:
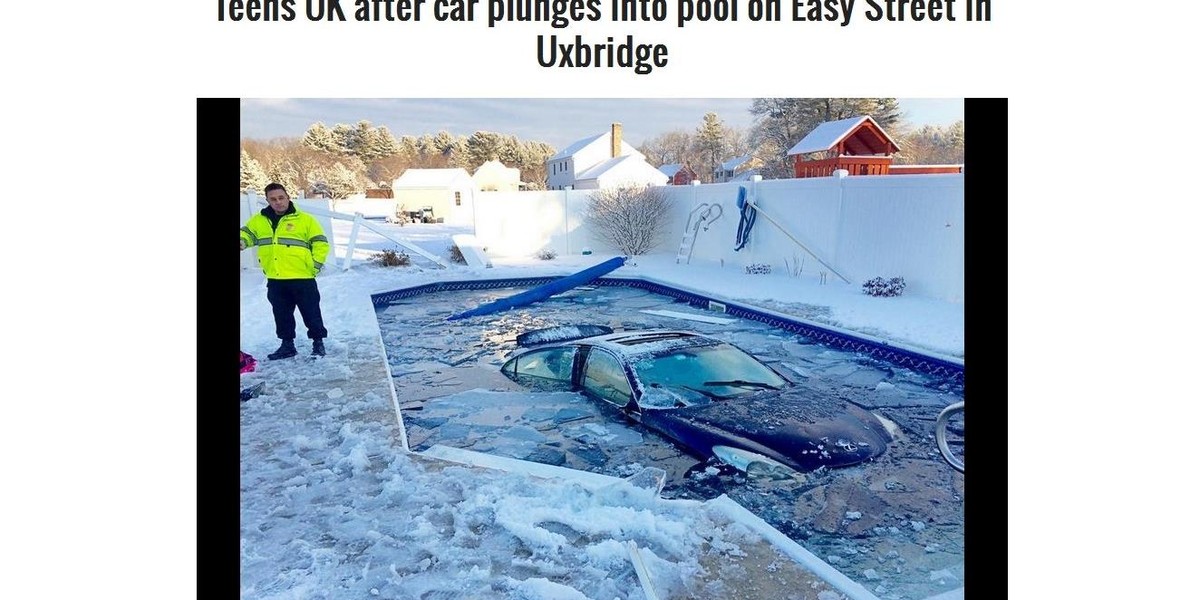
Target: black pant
[{"x": 285, "y": 296}]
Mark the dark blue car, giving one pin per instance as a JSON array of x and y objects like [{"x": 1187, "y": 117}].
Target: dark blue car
[{"x": 709, "y": 396}]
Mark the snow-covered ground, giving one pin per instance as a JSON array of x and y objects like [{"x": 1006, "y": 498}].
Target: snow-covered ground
[
  {"x": 332, "y": 507},
  {"x": 932, "y": 325}
]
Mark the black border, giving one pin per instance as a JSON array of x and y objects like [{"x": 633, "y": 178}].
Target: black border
[
  {"x": 985, "y": 356},
  {"x": 218, "y": 268}
]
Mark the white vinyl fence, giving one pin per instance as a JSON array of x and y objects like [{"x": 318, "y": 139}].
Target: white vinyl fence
[
  {"x": 860, "y": 227},
  {"x": 849, "y": 228}
]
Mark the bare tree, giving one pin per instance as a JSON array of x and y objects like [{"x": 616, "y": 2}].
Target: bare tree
[
  {"x": 932, "y": 144},
  {"x": 632, "y": 219}
]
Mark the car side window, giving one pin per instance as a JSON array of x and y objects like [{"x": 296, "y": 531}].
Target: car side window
[
  {"x": 605, "y": 377},
  {"x": 551, "y": 363}
]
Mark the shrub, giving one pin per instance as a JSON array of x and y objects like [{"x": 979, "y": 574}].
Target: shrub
[
  {"x": 546, "y": 254},
  {"x": 391, "y": 258},
  {"x": 758, "y": 269},
  {"x": 631, "y": 219},
  {"x": 456, "y": 255},
  {"x": 795, "y": 267},
  {"x": 880, "y": 287}
]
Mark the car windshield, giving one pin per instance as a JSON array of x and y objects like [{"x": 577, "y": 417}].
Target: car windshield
[{"x": 720, "y": 371}]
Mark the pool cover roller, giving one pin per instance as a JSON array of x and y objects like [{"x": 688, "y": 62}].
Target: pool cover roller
[{"x": 544, "y": 291}]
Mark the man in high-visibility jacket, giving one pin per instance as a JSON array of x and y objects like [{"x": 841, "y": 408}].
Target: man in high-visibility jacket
[{"x": 291, "y": 250}]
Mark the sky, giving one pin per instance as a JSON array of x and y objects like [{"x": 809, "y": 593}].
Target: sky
[
  {"x": 331, "y": 505},
  {"x": 555, "y": 121}
]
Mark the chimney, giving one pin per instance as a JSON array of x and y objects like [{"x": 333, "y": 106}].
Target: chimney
[{"x": 616, "y": 140}]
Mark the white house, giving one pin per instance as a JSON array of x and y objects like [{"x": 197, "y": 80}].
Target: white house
[
  {"x": 450, "y": 193},
  {"x": 493, "y": 176},
  {"x": 735, "y": 169},
  {"x": 603, "y": 160}
]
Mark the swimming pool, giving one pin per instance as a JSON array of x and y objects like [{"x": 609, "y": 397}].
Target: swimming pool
[{"x": 895, "y": 525}]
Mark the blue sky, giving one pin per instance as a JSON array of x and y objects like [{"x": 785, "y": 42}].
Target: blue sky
[{"x": 557, "y": 121}]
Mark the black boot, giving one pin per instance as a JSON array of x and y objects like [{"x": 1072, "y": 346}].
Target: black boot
[
  {"x": 287, "y": 349},
  {"x": 318, "y": 347}
]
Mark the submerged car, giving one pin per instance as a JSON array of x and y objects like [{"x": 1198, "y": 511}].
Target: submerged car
[{"x": 709, "y": 396}]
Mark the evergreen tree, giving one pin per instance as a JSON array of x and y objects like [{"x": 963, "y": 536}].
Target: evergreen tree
[
  {"x": 483, "y": 146},
  {"x": 710, "y": 141},
  {"x": 346, "y": 139},
  {"x": 340, "y": 181},
  {"x": 320, "y": 138},
  {"x": 533, "y": 156},
  {"x": 378, "y": 143},
  {"x": 253, "y": 176},
  {"x": 284, "y": 173}
]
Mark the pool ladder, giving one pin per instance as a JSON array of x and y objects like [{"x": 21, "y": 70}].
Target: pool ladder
[{"x": 705, "y": 218}]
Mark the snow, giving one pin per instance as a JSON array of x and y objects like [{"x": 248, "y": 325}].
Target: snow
[{"x": 332, "y": 506}]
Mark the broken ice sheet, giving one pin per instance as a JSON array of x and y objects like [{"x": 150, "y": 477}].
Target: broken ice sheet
[
  {"x": 486, "y": 407},
  {"x": 608, "y": 434},
  {"x": 865, "y": 377}
]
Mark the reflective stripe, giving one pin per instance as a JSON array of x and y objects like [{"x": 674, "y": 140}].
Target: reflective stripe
[
  {"x": 283, "y": 242},
  {"x": 253, "y": 238},
  {"x": 318, "y": 238},
  {"x": 291, "y": 242},
  {"x": 319, "y": 265}
]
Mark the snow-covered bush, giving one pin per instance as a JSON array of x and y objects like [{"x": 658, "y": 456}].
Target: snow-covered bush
[
  {"x": 456, "y": 255},
  {"x": 881, "y": 287},
  {"x": 546, "y": 254},
  {"x": 632, "y": 219},
  {"x": 391, "y": 258},
  {"x": 758, "y": 269}
]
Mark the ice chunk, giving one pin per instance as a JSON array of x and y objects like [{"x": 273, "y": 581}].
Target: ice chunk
[{"x": 650, "y": 478}]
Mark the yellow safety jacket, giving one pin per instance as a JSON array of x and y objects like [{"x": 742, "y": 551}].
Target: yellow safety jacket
[{"x": 295, "y": 249}]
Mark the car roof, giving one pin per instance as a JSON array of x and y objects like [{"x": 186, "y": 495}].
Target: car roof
[{"x": 648, "y": 341}]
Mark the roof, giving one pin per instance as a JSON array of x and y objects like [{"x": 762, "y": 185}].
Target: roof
[
  {"x": 430, "y": 178},
  {"x": 746, "y": 175},
  {"x": 495, "y": 166},
  {"x": 734, "y": 163},
  {"x": 494, "y": 163},
  {"x": 638, "y": 343},
  {"x": 670, "y": 170},
  {"x": 601, "y": 168},
  {"x": 576, "y": 147},
  {"x": 831, "y": 133},
  {"x": 634, "y": 345}
]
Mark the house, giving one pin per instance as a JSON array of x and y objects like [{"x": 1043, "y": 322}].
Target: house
[
  {"x": 600, "y": 161},
  {"x": 678, "y": 174},
  {"x": 736, "y": 169},
  {"x": 493, "y": 176},
  {"x": 450, "y": 193}
]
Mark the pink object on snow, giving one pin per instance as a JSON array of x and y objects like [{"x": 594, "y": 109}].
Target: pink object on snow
[{"x": 248, "y": 362}]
